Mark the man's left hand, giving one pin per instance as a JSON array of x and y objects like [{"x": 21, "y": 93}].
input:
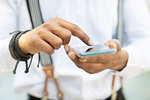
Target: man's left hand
[{"x": 98, "y": 63}]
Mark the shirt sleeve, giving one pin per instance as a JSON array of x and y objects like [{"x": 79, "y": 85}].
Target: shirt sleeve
[
  {"x": 8, "y": 23},
  {"x": 137, "y": 37}
]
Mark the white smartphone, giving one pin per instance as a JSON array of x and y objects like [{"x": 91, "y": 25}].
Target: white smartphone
[{"x": 85, "y": 51}]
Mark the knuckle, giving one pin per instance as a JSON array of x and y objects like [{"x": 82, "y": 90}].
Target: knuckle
[
  {"x": 33, "y": 40},
  {"x": 68, "y": 34},
  {"x": 49, "y": 26},
  {"x": 58, "y": 43},
  {"x": 50, "y": 51},
  {"x": 75, "y": 27},
  {"x": 46, "y": 25},
  {"x": 53, "y": 27},
  {"x": 55, "y": 19},
  {"x": 40, "y": 32}
]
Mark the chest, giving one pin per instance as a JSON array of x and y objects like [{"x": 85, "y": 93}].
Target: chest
[
  {"x": 97, "y": 18},
  {"x": 93, "y": 16}
]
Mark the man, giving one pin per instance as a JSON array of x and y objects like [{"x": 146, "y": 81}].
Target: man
[{"x": 98, "y": 19}]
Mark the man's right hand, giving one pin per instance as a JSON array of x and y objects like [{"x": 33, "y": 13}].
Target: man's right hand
[{"x": 50, "y": 36}]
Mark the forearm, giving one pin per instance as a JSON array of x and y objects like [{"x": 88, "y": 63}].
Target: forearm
[{"x": 138, "y": 61}]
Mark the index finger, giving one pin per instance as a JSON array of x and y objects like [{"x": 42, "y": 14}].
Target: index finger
[
  {"x": 76, "y": 31},
  {"x": 72, "y": 55}
]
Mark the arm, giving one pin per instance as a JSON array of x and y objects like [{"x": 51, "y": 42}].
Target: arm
[
  {"x": 47, "y": 37},
  {"x": 136, "y": 42},
  {"x": 136, "y": 49},
  {"x": 50, "y": 36},
  {"x": 8, "y": 20},
  {"x": 94, "y": 64}
]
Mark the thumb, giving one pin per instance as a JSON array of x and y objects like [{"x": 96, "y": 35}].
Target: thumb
[
  {"x": 72, "y": 55},
  {"x": 113, "y": 44}
]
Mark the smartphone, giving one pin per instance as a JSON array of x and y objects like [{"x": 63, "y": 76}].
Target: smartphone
[{"x": 86, "y": 51}]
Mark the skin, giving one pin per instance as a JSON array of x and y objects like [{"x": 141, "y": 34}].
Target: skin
[
  {"x": 95, "y": 64},
  {"x": 56, "y": 32},
  {"x": 50, "y": 36}
]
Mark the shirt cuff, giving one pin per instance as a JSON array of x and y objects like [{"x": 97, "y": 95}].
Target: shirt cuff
[
  {"x": 7, "y": 63},
  {"x": 133, "y": 66}
]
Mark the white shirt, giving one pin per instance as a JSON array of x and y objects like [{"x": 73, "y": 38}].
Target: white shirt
[{"x": 98, "y": 18}]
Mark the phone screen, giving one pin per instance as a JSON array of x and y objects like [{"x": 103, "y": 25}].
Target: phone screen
[{"x": 85, "y": 51}]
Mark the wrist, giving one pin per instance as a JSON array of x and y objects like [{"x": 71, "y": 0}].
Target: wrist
[
  {"x": 21, "y": 45},
  {"x": 125, "y": 59},
  {"x": 14, "y": 49}
]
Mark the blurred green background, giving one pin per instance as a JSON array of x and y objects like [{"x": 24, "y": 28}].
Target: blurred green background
[
  {"x": 148, "y": 2},
  {"x": 134, "y": 86}
]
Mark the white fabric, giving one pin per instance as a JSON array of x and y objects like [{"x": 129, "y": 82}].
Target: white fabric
[{"x": 98, "y": 18}]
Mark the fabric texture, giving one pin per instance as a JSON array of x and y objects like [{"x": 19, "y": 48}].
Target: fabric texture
[{"x": 98, "y": 19}]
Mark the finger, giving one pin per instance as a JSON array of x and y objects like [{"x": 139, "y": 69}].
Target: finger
[
  {"x": 88, "y": 67},
  {"x": 52, "y": 39},
  {"x": 45, "y": 47},
  {"x": 72, "y": 55},
  {"x": 113, "y": 44},
  {"x": 61, "y": 32},
  {"x": 95, "y": 59},
  {"x": 76, "y": 31},
  {"x": 67, "y": 48}
]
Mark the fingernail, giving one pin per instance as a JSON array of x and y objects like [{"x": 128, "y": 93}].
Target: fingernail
[
  {"x": 90, "y": 42},
  {"x": 114, "y": 45},
  {"x": 71, "y": 55},
  {"x": 66, "y": 49}
]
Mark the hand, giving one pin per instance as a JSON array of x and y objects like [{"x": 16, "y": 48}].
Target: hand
[
  {"x": 99, "y": 63},
  {"x": 50, "y": 36}
]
